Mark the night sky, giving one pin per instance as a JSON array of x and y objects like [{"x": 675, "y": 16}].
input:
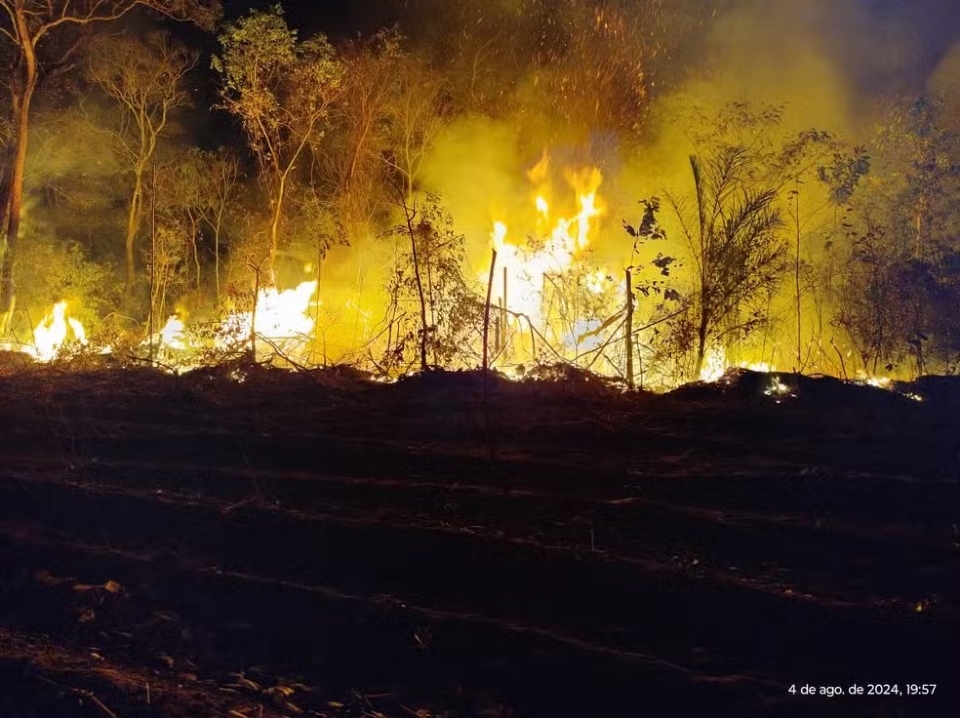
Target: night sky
[
  {"x": 338, "y": 18},
  {"x": 881, "y": 44}
]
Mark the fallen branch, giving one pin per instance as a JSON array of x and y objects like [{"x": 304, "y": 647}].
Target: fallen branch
[{"x": 83, "y": 693}]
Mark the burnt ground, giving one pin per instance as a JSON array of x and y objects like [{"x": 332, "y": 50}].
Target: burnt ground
[{"x": 243, "y": 542}]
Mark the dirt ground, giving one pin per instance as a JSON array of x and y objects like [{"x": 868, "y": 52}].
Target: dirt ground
[{"x": 245, "y": 542}]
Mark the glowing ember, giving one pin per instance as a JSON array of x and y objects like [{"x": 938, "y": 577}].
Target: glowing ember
[
  {"x": 880, "y": 382},
  {"x": 777, "y": 388},
  {"x": 54, "y": 332}
]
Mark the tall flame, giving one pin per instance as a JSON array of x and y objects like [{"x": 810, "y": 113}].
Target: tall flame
[
  {"x": 53, "y": 333},
  {"x": 527, "y": 266}
]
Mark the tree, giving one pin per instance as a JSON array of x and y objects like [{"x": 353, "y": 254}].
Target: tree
[
  {"x": 838, "y": 170},
  {"x": 27, "y": 27},
  {"x": 199, "y": 189},
  {"x": 417, "y": 115},
  {"x": 222, "y": 173},
  {"x": 446, "y": 302},
  {"x": 903, "y": 268},
  {"x": 868, "y": 307},
  {"x": 920, "y": 168},
  {"x": 144, "y": 76},
  {"x": 350, "y": 162},
  {"x": 732, "y": 226},
  {"x": 647, "y": 278},
  {"x": 281, "y": 89}
]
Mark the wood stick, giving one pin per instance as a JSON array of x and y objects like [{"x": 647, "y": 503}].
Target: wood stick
[{"x": 486, "y": 312}]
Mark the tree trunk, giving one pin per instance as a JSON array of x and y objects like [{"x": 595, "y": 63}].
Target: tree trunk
[
  {"x": 628, "y": 333},
  {"x": 133, "y": 226},
  {"x": 416, "y": 272},
  {"x": 5, "y": 179},
  {"x": 701, "y": 339},
  {"x": 22, "y": 109},
  {"x": 275, "y": 226},
  {"x": 796, "y": 277},
  {"x": 486, "y": 313},
  {"x": 216, "y": 255}
]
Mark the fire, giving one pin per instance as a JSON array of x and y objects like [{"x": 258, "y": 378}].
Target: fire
[
  {"x": 880, "y": 382},
  {"x": 528, "y": 266},
  {"x": 586, "y": 183},
  {"x": 283, "y": 320},
  {"x": 715, "y": 364},
  {"x": 543, "y": 207},
  {"x": 280, "y": 317},
  {"x": 53, "y": 333},
  {"x": 173, "y": 335},
  {"x": 596, "y": 281}
]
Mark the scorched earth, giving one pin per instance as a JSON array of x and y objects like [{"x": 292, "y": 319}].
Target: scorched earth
[{"x": 247, "y": 542}]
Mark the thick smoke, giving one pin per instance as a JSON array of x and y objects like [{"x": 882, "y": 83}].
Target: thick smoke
[{"x": 827, "y": 62}]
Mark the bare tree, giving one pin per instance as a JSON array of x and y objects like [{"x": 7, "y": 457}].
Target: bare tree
[
  {"x": 24, "y": 26},
  {"x": 144, "y": 76}
]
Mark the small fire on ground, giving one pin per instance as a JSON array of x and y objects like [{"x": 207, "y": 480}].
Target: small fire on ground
[{"x": 282, "y": 323}]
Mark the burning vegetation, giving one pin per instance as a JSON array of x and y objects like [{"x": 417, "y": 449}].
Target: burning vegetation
[
  {"x": 435, "y": 358},
  {"x": 571, "y": 183}
]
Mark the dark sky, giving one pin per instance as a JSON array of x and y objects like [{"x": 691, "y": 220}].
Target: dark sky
[
  {"x": 917, "y": 32},
  {"x": 337, "y": 18},
  {"x": 881, "y": 43}
]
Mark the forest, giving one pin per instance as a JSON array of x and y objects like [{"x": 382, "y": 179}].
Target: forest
[
  {"x": 650, "y": 192},
  {"x": 479, "y": 359}
]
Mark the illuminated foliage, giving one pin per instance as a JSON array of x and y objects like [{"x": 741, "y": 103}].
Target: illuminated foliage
[
  {"x": 281, "y": 89},
  {"x": 734, "y": 229},
  {"x": 144, "y": 77},
  {"x": 904, "y": 269},
  {"x": 451, "y": 310},
  {"x": 541, "y": 120},
  {"x": 23, "y": 25}
]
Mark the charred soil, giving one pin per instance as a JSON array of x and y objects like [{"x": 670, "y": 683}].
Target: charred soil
[{"x": 248, "y": 542}]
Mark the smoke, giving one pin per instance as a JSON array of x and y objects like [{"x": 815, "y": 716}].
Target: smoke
[
  {"x": 827, "y": 62},
  {"x": 945, "y": 82}
]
